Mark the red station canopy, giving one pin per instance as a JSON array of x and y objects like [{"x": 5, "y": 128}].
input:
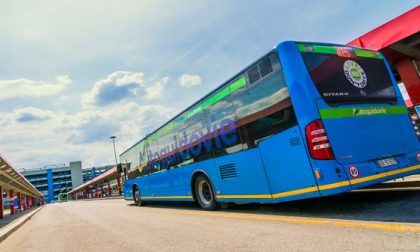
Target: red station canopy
[
  {"x": 399, "y": 41},
  {"x": 108, "y": 175},
  {"x": 395, "y": 30}
]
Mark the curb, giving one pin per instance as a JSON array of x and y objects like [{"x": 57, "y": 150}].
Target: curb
[
  {"x": 15, "y": 225},
  {"x": 94, "y": 199}
]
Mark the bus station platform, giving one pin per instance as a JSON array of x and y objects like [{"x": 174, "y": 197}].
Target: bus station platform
[
  {"x": 94, "y": 188},
  {"x": 14, "y": 222},
  {"x": 17, "y": 193}
]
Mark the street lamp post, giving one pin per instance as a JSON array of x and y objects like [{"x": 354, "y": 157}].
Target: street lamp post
[
  {"x": 116, "y": 164},
  {"x": 115, "y": 152}
]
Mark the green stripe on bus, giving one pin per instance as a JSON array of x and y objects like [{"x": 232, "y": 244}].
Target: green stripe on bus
[
  {"x": 195, "y": 111},
  {"x": 367, "y": 54},
  {"x": 224, "y": 92},
  {"x": 207, "y": 103},
  {"x": 165, "y": 129},
  {"x": 237, "y": 84},
  {"x": 324, "y": 49},
  {"x": 217, "y": 97},
  {"x": 301, "y": 47},
  {"x": 317, "y": 48},
  {"x": 333, "y": 50},
  {"x": 356, "y": 112}
]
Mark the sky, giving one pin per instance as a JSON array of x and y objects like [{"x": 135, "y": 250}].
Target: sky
[{"x": 74, "y": 73}]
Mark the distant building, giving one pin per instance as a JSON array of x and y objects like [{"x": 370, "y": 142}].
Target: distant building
[
  {"x": 55, "y": 179},
  {"x": 90, "y": 173}
]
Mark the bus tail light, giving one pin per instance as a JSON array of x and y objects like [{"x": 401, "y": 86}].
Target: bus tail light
[{"x": 318, "y": 143}]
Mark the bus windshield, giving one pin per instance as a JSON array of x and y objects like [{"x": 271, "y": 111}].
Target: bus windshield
[{"x": 345, "y": 75}]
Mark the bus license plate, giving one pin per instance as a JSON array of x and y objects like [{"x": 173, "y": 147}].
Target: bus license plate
[{"x": 387, "y": 162}]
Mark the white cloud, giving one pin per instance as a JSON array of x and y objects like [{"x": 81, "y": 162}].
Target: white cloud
[
  {"x": 154, "y": 89},
  {"x": 56, "y": 137},
  {"x": 120, "y": 85},
  {"x": 188, "y": 80},
  {"x": 30, "y": 88},
  {"x": 31, "y": 114}
]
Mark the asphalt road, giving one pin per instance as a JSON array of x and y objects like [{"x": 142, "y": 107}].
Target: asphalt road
[{"x": 117, "y": 225}]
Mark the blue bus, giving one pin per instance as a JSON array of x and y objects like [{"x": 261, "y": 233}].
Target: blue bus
[{"x": 305, "y": 120}]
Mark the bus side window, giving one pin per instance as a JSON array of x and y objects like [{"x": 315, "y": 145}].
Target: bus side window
[
  {"x": 194, "y": 128},
  {"x": 215, "y": 115},
  {"x": 153, "y": 164},
  {"x": 270, "y": 125},
  {"x": 257, "y": 97},
  {"x": 263, "y": 108},
  {"x": 133, "y": 161}
]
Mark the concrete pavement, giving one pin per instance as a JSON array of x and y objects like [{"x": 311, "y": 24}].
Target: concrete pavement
[
  {"x": 116, "y": 225},
  {"x": 11, "y": 223}
]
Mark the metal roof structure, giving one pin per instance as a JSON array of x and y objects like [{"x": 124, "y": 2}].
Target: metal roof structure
[
  {"x": 106, "y": 176},
  {"x": 11, "y": 179}
]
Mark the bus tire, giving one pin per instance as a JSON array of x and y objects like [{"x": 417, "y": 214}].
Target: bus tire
[
  {"x": 137, "y": 196},
  {"x": 204, "y": 193}
]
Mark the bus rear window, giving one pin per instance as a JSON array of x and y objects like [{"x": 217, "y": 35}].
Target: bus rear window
[{"x": 348, "y": 78}]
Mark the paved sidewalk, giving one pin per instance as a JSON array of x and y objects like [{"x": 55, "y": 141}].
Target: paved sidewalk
[
  {"x": 11, "y": 223},
  {"x": 117, "y": 225}
]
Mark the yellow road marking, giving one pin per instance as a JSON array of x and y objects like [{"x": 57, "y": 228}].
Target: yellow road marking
[{"x": 301, "y": 220}]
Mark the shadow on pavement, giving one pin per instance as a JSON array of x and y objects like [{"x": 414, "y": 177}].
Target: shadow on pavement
[
  {"x": 381, "y": 205},
  {"x": 7, "y": 218}
]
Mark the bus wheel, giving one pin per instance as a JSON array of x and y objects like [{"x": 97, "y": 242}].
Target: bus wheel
[
  {"x": 137, "y": 196},
  {"x": 204, "y": 193}
]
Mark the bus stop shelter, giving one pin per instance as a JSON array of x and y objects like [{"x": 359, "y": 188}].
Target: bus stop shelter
[
  {"x": 94, "y": 188},
  {"x": 16, "y": 189},
  {"x": 399, "y": 41}
]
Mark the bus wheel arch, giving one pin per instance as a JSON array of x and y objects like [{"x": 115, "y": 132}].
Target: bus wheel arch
[
  {"x": 203, "y": 191},
  {"x": 192, "y": 182},
  {"x": 136, "y": 195}
]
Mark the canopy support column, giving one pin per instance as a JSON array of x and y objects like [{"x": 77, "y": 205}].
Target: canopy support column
[
  {"x": 19, "y": 201},
  {"x": 102, "y": 190},
  {"x": 12, "y": 202},
  {"x": 119, "y": 186},
  {"x": 410, "y": 77},
  {"x": 1, "y": 202},
  {"x": 109, "y": 189}
]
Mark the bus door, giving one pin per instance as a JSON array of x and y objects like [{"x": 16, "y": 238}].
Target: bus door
[
  {"x": 242, "y": 174},
  {"x": 363, "y": 117}
]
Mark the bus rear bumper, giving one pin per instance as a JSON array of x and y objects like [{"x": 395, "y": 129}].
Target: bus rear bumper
[{"x": 370, "y": 174}]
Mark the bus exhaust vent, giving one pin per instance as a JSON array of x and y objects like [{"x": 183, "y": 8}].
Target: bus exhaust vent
[
  {"x": 294, "y": 141},
  {"x": 260, "y": 70},
  {"x": 228, "y": 171},
  {"x": 253, "y": 74},
  {"x": 265, "y": 67}
]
